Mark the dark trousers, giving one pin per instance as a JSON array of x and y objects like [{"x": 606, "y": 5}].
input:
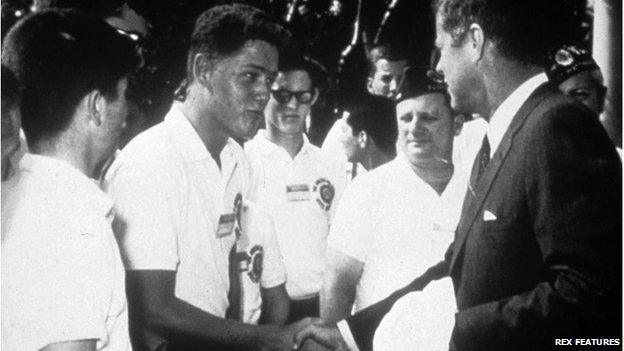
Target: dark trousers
[{"x": 300, "y": 309}]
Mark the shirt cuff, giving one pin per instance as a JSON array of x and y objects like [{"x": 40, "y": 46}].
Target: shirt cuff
[{"x": 345, "y": 332}]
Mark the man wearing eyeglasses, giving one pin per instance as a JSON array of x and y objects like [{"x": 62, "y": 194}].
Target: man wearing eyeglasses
[{"x": 298, "y": 181}]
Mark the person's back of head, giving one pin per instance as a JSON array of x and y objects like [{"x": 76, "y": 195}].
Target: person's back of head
[
  {"x": 376, "y": 116},
  {"x": 60, "y": 56},
  {"x": 523, "y": 31},
  {"x": 223, "y": 30}
]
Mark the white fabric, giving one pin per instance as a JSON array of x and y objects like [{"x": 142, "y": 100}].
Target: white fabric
[
  {"x": 62, "y": 275},
  {"x": 421, "y": 320},
  {"x": 347, "y": 336},
  {"x": 333, "y": 148},
  {"x": 169, "y": 194},
  {"x": 500, "y": 120},
  {"x": 302, "y": 225},
  {"x": 262, "y": 263},
  {"x": 396, "y": 225}
]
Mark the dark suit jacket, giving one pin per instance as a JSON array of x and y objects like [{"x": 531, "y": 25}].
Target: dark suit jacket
[{"x": 549, "y": 265}]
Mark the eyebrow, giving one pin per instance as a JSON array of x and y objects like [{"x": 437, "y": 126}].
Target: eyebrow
[{"x": 259, "y": 67}]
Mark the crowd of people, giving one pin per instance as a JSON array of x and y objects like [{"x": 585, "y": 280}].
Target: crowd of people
[{"x": 473, "y": 204}]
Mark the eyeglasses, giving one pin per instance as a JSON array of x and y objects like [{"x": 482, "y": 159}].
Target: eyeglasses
[{"x": 283, "y": 96}]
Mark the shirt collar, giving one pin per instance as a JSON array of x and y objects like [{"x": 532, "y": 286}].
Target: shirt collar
[
  {"x": 63, "y": 172},
  {"x": 268, "y": 147},
  {"x": 501, "y": 119},
  {"x": 192, "y": 147}
]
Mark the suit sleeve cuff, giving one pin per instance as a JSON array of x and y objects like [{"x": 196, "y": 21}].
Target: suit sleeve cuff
[{"x": 345, "y": 332}]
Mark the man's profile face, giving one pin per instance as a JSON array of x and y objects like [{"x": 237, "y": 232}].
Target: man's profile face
[
  {"x": 114, "y": 117},
  {"x": 459, "y": 72},
  {"x": 586, "y": 87},
  {"x": 239, "y": 86},
  {"x": 425, "y": 128},
  {"x": 387, "y": 77},
  {"x": 288, "y": 117},
  {"x": 349, "y": 142}
]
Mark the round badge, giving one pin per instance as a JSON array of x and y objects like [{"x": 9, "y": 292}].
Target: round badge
[
  {"x": 325, "y": 193},
  {"x": 255, "y": 263},
  {"x": 564, "y": 57}
]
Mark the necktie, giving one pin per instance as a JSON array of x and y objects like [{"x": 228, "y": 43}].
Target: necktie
[{"x": 481, "y": 162}]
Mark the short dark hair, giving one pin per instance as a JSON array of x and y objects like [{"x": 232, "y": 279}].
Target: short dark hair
[
  {"x": 294, "y": 61},
  {"x": 376, "y": 115},
  {"x": 383, "y": 51},
  {"x": 59, "y": 56},
  {"x": 10, "y": 89},
  {"x": 523, "y": 30},
  {"x": 223, "y": 30}
]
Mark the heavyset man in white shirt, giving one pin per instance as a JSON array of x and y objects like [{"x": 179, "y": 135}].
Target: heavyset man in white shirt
[
  {"x": 179, "y": 189},
  {"x": 298, "y": 182},
  {"x": 397, "y": 220},
  {"x": 62, "y": 275}
]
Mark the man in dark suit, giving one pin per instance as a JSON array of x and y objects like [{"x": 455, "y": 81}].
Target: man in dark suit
[{"x": 537, "y": 252}]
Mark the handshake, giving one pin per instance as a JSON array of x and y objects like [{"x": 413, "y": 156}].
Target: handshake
[{"x": 310, "y": 334}]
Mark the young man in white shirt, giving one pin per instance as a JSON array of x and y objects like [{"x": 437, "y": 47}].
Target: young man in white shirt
[
  {"x": 300, "y": 184},
  {"x": 62, "y": 274},
  {"x": 179, "y": 186}
]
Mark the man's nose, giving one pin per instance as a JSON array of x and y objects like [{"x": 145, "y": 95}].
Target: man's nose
[{"x": 292, "y": 103}]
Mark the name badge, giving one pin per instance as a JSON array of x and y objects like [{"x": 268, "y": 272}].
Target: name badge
[
  {"x": 226, "y": 225},
  {"x": 298, "y": 192}
]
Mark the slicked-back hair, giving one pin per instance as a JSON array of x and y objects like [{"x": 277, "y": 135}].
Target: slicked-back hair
[
  {"x": 293, "y": 61},
  {"x": 59, "y": 56},
  {"x": 376, "y": 115},
  {"x": 523, "y": 30},
  {"x": 223, "y": 30},
  {"x": 383, "y": 51}
]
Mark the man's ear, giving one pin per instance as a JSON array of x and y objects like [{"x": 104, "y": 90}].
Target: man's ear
[
  {"x": 362, "y": 139},
  {"x": 369, "y": 85},
  {"x": 315, "y": 97},
  {"x": 476, "y": 38},
  {"x": 95, "y": 106},
  {"x": 202, "y": 69},
  {"x": 458, "y": 124}
]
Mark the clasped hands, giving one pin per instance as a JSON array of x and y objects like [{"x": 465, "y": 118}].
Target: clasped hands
[{"x": 319, "y": 335}]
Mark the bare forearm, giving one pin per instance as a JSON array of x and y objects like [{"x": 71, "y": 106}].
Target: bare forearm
[
  {"x": 179, "y": 320},
  {"x": 337, "y": 301},
  {"x": 275, "y": 306}
]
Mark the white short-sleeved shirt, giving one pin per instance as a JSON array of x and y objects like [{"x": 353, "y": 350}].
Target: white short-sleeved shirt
[
  {"x": 301, "y": 195},
  {"x": 397, "y": 225},
  {"x": 62, "y": 275},
  {"x": 176, "y": 208},
  {"x": 259, "y": 258}
]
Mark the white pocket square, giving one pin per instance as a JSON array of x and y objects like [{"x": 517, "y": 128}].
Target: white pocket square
[{"x": 488, "y": 216}]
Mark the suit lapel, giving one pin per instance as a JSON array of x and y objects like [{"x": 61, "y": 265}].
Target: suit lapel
[{"x": 473, "y": 202}]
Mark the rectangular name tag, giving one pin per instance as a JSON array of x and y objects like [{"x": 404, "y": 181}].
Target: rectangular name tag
[
  {"x": 297, "y": 192},
  {"x": 226, "y": 224}
]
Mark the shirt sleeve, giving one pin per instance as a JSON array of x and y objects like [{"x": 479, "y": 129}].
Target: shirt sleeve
[
  {"x": 65, "y": 292},
  {"x": 147, "y": 211},
  {"x": 352, "y": 230}
]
